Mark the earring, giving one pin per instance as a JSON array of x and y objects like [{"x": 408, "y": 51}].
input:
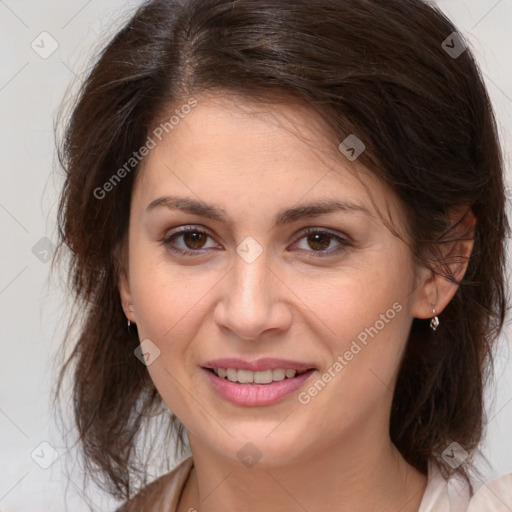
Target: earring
[{"x": 434, "y": 322}]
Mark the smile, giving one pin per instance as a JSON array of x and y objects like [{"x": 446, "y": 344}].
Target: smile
[
  {"x": 256, "y": 388},
  {"x": 259, "y": 377}
]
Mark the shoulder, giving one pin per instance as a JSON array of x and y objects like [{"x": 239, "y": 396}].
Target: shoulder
[
  {"x": 161, "y": 494},
  {"x": 453, "y": 494},
  {"x": 494, "y": 496},
  {"x": 444, "y": 495}
]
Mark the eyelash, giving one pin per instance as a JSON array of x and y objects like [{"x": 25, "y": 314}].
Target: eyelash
[{"x": 344, "y": 242}]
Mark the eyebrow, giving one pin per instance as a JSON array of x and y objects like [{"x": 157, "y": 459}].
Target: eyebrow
[{"x": 283, "y": 216}]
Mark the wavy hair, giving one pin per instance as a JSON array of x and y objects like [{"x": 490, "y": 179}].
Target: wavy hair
[{"x": 376, "y": 68}]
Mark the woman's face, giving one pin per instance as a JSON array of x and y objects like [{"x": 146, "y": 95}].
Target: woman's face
[{"x": 321, "y": 303}]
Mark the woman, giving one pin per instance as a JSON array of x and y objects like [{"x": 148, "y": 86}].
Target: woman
[{"x": 297, "y": 209}]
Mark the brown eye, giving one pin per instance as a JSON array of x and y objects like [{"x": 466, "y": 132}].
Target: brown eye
[
  {"x": 319, "y": 241},
  {"x": 194, "y": 239},
  {"x": 190, "y": 241},
  {"x": 322, "y": 243}
]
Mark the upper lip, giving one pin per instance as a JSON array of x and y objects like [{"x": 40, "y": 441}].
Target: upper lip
[{"x": 267, "y": 363}]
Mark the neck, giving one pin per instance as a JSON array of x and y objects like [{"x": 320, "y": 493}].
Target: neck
[{"x": 349, "y": 478}]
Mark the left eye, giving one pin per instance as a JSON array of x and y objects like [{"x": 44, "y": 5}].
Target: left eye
[{"x": 320, "y": 241}]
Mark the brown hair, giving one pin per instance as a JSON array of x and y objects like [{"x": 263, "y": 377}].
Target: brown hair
[{"x": 375, "y": 68}]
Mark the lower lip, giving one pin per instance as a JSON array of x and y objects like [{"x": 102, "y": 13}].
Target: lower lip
[{"x": 253, "y": 395}]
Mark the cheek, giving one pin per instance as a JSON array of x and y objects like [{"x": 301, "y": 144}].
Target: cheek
[
  {"x": 170, "y": 309},
  {"x": 358, "y": 378},
  {"x": 352, "y": 301},
  {"x": 170, "y": 301},
  {"x": 165, "y": 304},
  {"x": 366, "y": 315}
]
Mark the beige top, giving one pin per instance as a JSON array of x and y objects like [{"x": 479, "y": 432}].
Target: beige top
[{"x": 440, "y": 495}]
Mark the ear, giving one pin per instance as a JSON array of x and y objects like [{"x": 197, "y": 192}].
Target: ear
[
  {"x": 123, "y": 282},
  {"x": 123, "y": 286},
  {"x": 434, "y": 289}
]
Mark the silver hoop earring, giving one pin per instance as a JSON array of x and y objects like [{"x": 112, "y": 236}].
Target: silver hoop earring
[{"x": 434, "y": 322}]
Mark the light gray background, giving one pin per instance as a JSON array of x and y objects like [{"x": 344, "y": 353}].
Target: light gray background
[{"x": 32, "y": 310}]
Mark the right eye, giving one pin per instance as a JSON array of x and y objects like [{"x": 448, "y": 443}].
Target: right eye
[{"x": 192, "y": 238}]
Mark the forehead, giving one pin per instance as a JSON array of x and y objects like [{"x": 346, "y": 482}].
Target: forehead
[
  {"x": 232, "y": 150},
  {"x": 236, "y": 129}
]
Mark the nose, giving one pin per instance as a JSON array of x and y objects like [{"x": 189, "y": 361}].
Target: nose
[{"x": 253, "y": 301}]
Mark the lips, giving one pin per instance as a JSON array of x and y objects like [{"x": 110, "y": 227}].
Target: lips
[{"x": 256, "y": 383}]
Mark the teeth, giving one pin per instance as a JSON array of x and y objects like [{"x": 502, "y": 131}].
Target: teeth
[
  {"x": 280, "y": 374},
  {"x": 232, "y": 374},
  {"x": 245, "y": 376},
  {"x": 261, "y": 377}
]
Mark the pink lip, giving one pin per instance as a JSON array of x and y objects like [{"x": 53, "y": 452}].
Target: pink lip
[
  {"x": 254, "y": 395},
  {"x": 258, "y": 365}
]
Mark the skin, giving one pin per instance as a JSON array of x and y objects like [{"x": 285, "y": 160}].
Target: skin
[{"x": 252, "y": 160}]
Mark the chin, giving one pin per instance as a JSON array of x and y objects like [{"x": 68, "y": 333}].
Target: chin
[{"x": 253, "y": 446}]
